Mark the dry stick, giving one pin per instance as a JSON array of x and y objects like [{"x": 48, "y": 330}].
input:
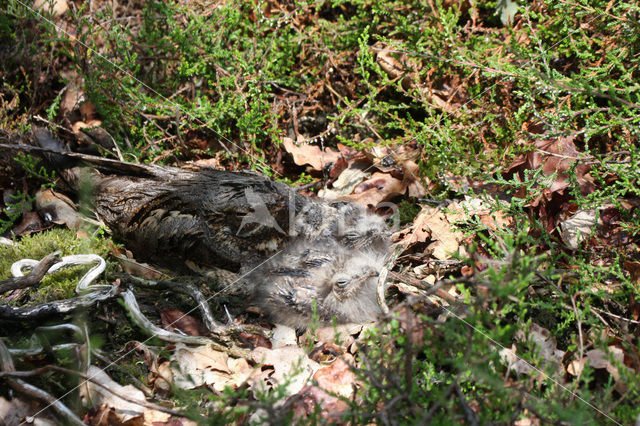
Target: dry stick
[
  {"x": 188, "y": 289},
  {"x": 147, "y": 326},
  {"x": 468, "y": 412},
  {"x": 6, "y": 365},
  {"x": 414, "y": 283},
  {"x": 391, "y": 260},
  {"x": 143, "y": 403},
  {"x": 57, "y": 307},
  {"x": 33, "y": 278},
  {"x": 219, "y": 331}
]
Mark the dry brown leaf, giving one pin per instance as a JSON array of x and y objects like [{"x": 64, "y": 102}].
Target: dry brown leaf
[
  {"x": 470, "y": 207},
  {"x": 203, "y": 365},
  {"x": 389, "y": 64},
  {"x": 342, "y": 334},
  {"x": 56, "y": 7},
  {"x": 556, "y": 155},
  {"x": 283, "y": 336},
  {"x": 93, "y": 395},
  {"x": 30, "y": 222},
  {"x": 16, "y": 412},
  {"x": 412, "y": 180},
  {"x": 338, "y": 378},
  {"x": 578, "y": 227},
  {"x": 546, "y": 344},
  {"x": 380, "y": 187},
  {"x": 60, "y": 208},
  {"x": 74, "y": 94},
  {"x": 348, "y": 180},
  {"x": 546, "y": 348},
  {"x": 333, "y": 381},
  {"x": 131, "y": 266},
  {"x": 326, "y": 353},
  {"x": 175, "y": 319},
  {"x": 599, "y": 359},
  {"x": 432, "y": 224},
  {"x": 284, "y": 363},
  {"x": 310, "y": 155}
]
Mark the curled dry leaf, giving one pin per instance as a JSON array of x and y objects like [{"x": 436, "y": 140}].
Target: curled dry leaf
[
  {"x": 555, "y": 156},
  {"x": 334, "y": 381},
  {"x": 112, "y": 405},
  {"x": 326, "y": 353},
  {"x": 348, "y": 180},
  {"x": 578, "y": 227},
  {"x": 311, "y": 155},
  {"x": 58, "y": 208},
  {"x": 56, "y": 7},
  {"x": 16, "y": 411},
  {"x": 30, "y": 222},
  {"x": 131, "y": 266},
  {"x": 338, "y": 378},
  {"x": 470, "y": 207},
  {"x": 389, "y": 64},
  {"x": 203, "y": 365},
  {"x": 73, "y": 95},
  {"x": 611, "y": 360},
  {"x": 175, "y": 319},
  {"x": 284, "y": 363},
  {"x": 283, "y": 336},
  {"x": 380, "y": 187},
  {"x": 395, "y": 69},
  {"x": 546, "y": 348},
  {"x": 342, "y": 334},
  {"x": 433, "y": 225}
]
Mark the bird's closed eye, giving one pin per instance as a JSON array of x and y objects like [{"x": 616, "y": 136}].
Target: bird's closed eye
[{"x": 342, "y": 283}]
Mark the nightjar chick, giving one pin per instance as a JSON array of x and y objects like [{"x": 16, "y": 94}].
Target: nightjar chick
[
  {"x": 321, "y": 278},
  {"x": 205, "y": 219}
]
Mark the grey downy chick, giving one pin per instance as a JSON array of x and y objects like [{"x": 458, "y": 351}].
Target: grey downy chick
[{"x": 322, "y": 278}]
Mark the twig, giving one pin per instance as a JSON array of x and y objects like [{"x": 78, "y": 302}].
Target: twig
[
  {"x": 148, "y": 327},
  {"x": 472, "y": 419},
  {"x": 383, "y": 277},
  {"x": 33, "y": 278},
  {"x": 57, "y": 307},
  {"x": 88, "y": 378},
  {"x": 7, "y": 367}
]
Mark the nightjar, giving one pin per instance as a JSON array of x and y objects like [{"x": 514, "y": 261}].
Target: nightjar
[{"x": 327, "y": 254}]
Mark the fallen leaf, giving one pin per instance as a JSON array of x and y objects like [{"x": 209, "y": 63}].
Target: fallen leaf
[
  {"x": 289, "y": 365},
  {"x": 30, "y": 223},
  {"x": 432, "y": 225},
  {"x": 73, "y": 95},
  {"x": 203, "y": 365},
  {"x": 93, "y": 395},
  {"x": 58, "y": 208},
  {"x": 348, "y": 180},
  {"x": 56, "y": 7},
  {"x": 546, "y": 346},
  {"x": 555, "y": 156},
  {"x": 283, "y": 336},
  {"x": 131, "y": 266},
  {"x": 599, "y": 359},
  {"x": 578, "y": 227},
  {"x": 174, "y": 319},
  {"x": 304, "y": 404},
  {"x": 338, "y": 378},
  {"x": 311, "y": 155},
  {"x": 380, "y": 187},
  {"x": 326, "y": 353}
]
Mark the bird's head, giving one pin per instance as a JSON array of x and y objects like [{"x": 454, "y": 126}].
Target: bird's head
[{"x": 348, "y": 283}]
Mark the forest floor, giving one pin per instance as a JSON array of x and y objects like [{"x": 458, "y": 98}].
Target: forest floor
[{"x": 499, "y": 139}]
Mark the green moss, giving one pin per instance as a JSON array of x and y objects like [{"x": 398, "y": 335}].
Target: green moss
[{"x": 36, "y": 246}]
